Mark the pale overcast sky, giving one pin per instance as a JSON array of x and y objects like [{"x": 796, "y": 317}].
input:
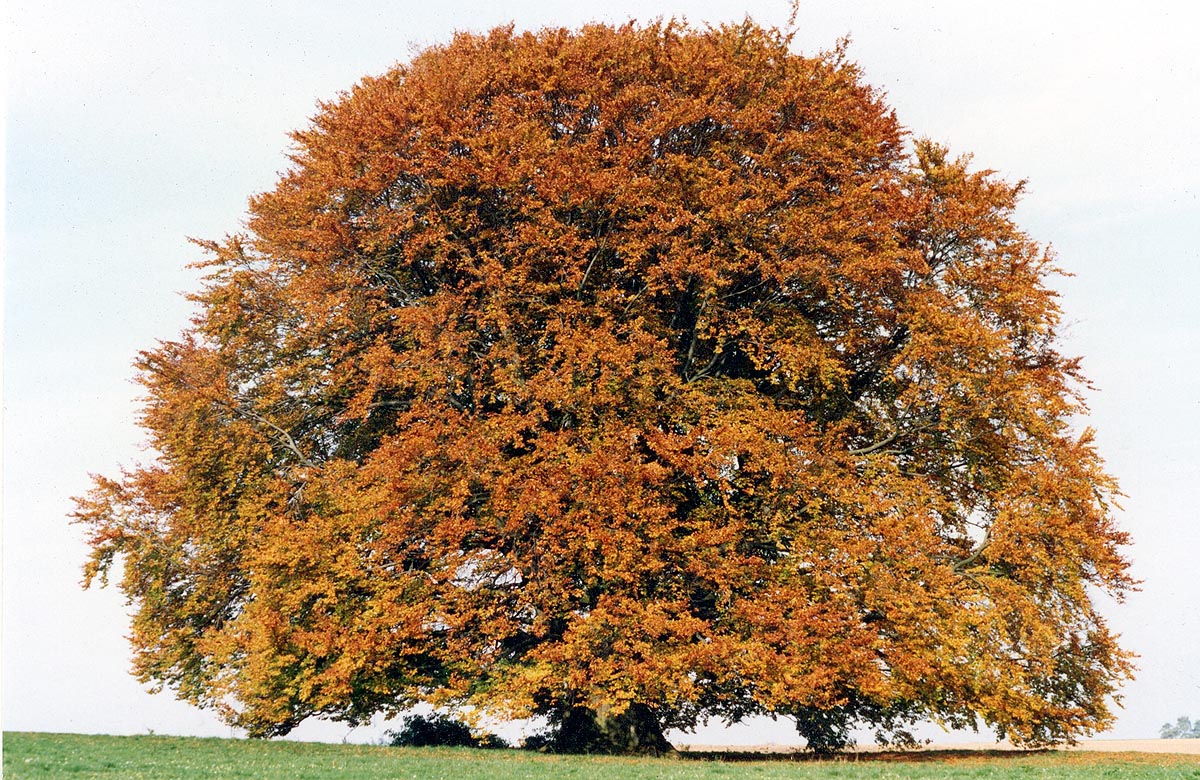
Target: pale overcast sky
[{"x": 131, "y": 125}]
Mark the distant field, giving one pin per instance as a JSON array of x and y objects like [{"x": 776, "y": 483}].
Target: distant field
[{"x": 36, "y": 756}]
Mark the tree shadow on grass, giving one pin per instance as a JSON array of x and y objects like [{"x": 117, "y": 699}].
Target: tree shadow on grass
[{"x": 906, "y": 756}]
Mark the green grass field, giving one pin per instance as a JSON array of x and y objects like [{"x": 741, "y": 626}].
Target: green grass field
[{"x": 36, "y": 756}]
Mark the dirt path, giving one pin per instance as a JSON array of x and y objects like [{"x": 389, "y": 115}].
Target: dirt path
[{"x": 1189, "y": 746}]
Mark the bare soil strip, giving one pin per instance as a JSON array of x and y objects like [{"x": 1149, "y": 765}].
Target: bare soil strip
[{"x": 1179, "y": 746}]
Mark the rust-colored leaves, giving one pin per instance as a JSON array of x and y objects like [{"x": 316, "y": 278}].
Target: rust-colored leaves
[{"x": 622, "y": 366}]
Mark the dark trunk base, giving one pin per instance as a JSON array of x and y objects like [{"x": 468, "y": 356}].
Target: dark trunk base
[{"x": 634, "y": 731}]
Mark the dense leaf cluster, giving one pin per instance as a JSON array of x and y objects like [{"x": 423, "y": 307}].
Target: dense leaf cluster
[{"x": 634, "y": 373}]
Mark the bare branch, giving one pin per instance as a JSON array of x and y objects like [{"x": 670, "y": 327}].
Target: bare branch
[
  {"x": 879, "y": 445},
  {"x": 284, "y": 437},
  {"x": 960, "y": 566}
]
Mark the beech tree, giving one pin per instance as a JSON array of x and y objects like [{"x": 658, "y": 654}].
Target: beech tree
[{"x": 630, "y": 377}]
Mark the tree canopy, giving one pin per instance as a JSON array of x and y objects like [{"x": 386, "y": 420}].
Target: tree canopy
[{"x": 631, "y": 377}]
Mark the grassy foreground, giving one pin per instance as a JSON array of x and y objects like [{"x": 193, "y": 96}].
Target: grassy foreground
[{"x": 36, "y": 756}]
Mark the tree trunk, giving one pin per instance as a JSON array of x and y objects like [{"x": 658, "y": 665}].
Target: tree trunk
[{"x": 634, "y": 731}]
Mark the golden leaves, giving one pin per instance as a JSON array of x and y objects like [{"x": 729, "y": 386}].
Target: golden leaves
[{"x": 613, "y": 367}]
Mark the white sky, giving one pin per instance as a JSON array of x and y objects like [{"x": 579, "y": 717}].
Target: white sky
[{"x": 131, "y": 125}]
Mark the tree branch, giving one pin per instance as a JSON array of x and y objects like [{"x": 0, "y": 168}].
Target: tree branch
[
  {"x": 687, "y": 364},
  {"x": 879, "y": 445},
  {"x": 588, "y": 271},
  {"x": 923, "y": 425},
  {"x": 285, "y": 437},
  {"x": 960, "y": 566}
]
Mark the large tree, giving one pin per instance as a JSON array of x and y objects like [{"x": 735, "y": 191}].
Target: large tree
[{"x": 629, "y": 377}]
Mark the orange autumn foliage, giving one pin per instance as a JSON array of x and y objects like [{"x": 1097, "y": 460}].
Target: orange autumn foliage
[{"x": 585, "y": 370}]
